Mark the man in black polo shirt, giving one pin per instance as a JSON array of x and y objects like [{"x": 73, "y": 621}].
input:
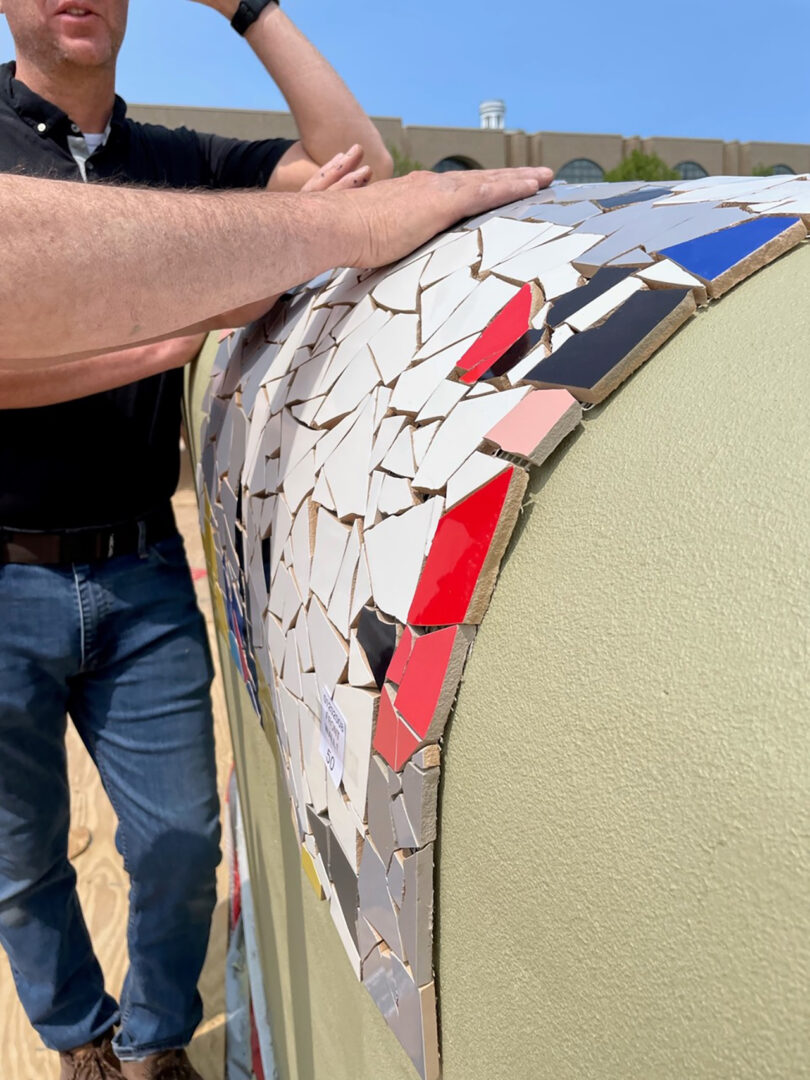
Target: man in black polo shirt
[{"x": 98, "y": 613}]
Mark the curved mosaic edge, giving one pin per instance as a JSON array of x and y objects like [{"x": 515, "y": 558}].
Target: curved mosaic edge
[{"x": 365, "y": 453}]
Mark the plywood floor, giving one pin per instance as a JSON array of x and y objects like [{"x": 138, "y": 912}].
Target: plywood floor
[{"x": 103, "y": 888}]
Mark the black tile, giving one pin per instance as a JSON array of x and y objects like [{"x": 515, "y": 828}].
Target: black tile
[
  {"x": 604, "y": 279},
  {"x": 586, "y": 358},
  {"x": 522, "y": 347},
  {"x": 344, "y": 882},
  {"x": 378, "y": 640}
]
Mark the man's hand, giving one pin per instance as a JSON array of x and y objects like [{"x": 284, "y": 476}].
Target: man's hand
[{"x": 394, "y": 217}]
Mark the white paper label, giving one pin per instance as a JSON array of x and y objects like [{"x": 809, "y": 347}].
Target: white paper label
[{"x": 333, "y": 738}]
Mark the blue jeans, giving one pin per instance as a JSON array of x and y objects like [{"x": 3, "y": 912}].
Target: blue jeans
[{"x": 121, "y": 647}]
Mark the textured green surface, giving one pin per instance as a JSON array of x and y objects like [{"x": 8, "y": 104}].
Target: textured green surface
[
  {"x": 625, "y": 833},
  {"x": 624, "y": 867}
]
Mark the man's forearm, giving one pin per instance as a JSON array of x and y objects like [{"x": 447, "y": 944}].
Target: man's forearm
[
  {"x": 66, "y": 379},
  {"x": 328, "y": 116},
  {"x": 93, "y": 267}
]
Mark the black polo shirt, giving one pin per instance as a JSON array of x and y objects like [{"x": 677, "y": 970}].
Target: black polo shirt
[{"x": 114, "y": 456}]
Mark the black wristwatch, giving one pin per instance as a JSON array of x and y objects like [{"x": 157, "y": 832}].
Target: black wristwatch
[{"x": 247, "y": 13}]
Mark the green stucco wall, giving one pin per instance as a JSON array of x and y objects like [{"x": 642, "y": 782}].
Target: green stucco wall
[{"x": 624, "y": 868}]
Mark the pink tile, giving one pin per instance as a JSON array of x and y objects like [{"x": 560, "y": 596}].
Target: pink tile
[{"x": 527, "y": 427}]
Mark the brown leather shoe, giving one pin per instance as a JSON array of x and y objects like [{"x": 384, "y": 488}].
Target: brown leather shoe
[
  {"x": 93, "y": 1061},
  {"x": 170, "y": 1065}
]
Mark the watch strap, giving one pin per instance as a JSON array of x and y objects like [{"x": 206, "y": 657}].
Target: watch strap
[{"x": 247, "y": 13}]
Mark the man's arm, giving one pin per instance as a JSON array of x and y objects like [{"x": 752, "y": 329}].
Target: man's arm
[
  {"x": 327, "y": 114},
  {"x": 142, "y": 264},
  {"x": 60, "y": 382}
]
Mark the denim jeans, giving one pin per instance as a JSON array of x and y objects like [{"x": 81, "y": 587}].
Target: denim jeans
[{"x": 121, "y": 647}]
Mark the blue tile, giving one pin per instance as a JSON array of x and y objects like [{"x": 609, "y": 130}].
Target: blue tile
[
  {"x": 635, "y": 196},
  {"x": 710, "y": 256}
]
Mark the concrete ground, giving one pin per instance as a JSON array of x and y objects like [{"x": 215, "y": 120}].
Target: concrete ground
[{"x": 103, "y": 884}]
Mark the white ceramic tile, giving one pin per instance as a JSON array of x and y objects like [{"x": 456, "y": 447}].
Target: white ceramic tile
[
  {"x": 306, "y": 382},
  {"x": 473, "y": 314},
  {"x": 476, "y": 471},
  {"x": 362, "y": 587},
  {"x": 389, "y": 428},
  {"x": 348, "y": 466},
  {"x": 360, "y": 674},
  {"x": 503, "y": 237},
  {"x": 348, "y": 349},
  {"x": 331, "y": 538},
  {"x": 330, "y": 653},
  {"x": 284, "y": 600},
  {"x": 306, "y": 411},
  {"x": 531, "y": 360},
  {"x": 344, "y": 825},
  {"x": 415, "y": 386},
  {"x": 322, "y": 495},
  {"x": 296, "y": 441},
  {"x": 300, "y": 481},
  {"x": 375, "y": 487},
  {"x": 292, "y": 668},
  {"x": 303, "y": 542},
  {"x": 396, "y": 495},
  {"x": 572, "y": 214},
  {"x": 353, "y": 386},
  {"x": 560, "y": 335},
  {"x": 422, "y": 438},
  {"x": 340, "y": 603},
  {"x": 276, "y": 642},
  {"x": 667, "y": 272},
  {"x": 446, "y": 395},
  {"x": 359, "y": 707},
  {"x": 399, "y": 291},
  {"x": 461, "y": 252},
  {"x": 726, "y": 190},
  {"x": 271, "y": 439},
  {"x": 539, "y": 321},
  {"x": 557, "y": 254},
  {"x": 394, "y": 346},
  {"x": 395, "y": 550},
  {"x": 382, "y": 400},
  {"x": 460, "y": 435},
  {"x": 312, "y": 692},
  {"x": 301, "y": 631},
  {"x": 315, "y": 325},
  {"x": 441, "y": 300},
  {"x": 253, "y": 472},
  {"x": 361, "y": 312},
  {"x": 480, "y": 389},
  {"x": 279, "y": 531},
  {"x": 314, "y": 767},
  {"x": 634, "y": 257},
  {"x": 335, "y": 435},
  {"x": 599, "y": 308},
  {"x": 400, "y": 459}
]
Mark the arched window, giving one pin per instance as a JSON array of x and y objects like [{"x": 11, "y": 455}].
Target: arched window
[
  {"x": 690, "y": 170},
  {"x": 782, "y": 170},
  {"x": 455, "y": 164},
  {"x": 581, "y": 171}
]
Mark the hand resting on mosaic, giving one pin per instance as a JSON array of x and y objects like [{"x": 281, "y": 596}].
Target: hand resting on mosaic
[{"x": 242, "y": 246}]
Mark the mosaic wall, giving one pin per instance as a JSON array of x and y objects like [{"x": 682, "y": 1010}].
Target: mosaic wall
[{"x": 364, "y": 456}]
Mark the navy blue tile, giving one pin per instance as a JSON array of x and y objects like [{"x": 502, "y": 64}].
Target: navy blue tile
[
  {"x": 378, "y": 640},
  {"x": 602, "y": 280},
  {"x": 588, "y": 358},
  {"x": 633, "y": 197},
  {"x": 710, "y": 256}
]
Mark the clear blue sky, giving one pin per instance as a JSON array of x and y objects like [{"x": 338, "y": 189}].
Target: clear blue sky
[{"x": 713, "y": 69}]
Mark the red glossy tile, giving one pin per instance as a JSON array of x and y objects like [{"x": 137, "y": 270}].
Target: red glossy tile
[
  {"x": 407, "y": 745},
  {"x": 457, "y": 555},
  {"x": 422, "y": 685},
  {"x": 508, "y": 326},
  {"x": 399, "y": 661},
  {"x": 385, "y": 732}
]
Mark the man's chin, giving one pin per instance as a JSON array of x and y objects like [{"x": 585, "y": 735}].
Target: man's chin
[{"x": 86, "y": 53}]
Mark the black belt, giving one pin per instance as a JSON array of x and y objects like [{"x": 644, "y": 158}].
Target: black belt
[{"x": 86, "y": 545}]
